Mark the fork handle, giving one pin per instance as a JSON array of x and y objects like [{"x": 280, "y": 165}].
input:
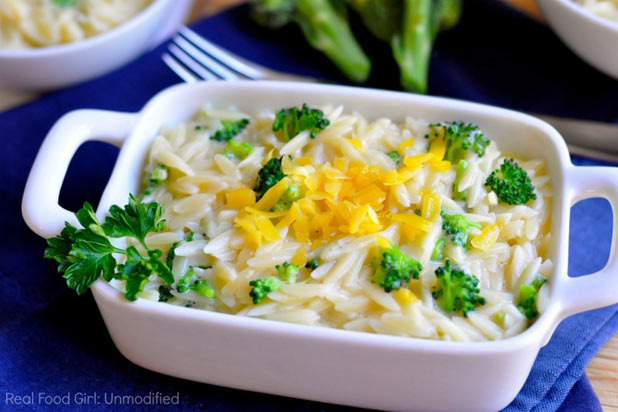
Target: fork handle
[{"x": 587, "y": 138}]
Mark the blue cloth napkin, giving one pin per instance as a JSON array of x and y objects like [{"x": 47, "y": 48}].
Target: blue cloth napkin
[{"x": 54, "y": 348}]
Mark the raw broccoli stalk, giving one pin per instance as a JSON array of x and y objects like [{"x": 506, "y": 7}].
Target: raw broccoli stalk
[
  {"x": 235, "y": 150},
  {"x": 324, "y": 27},
  {"x": 268, "y": 176},
  {"x": 459, "y": 137},
  {"x": 412, "y": 46},
  {"x": 292, "y": 121},
  {"x": 313, "y": 264},
  {"x": 393, "y": 269},
  {"x": 396, "y": 157},
  {"x": 459, "y": 171},
  {"x": 511, "y": 183},
  {"x": 458, "y": 291},
  {"x": 458, "y": 228},
  {"x": 436, "y": 254},
  {"x": 526, "y": 302},
  {"x": 291, "y": 195},
  {"x": 262, "y": 287},
  {"x": 287, "y": 272},
  {"x": 410, "y": 27},
  {"x": 229, "y": 129}
]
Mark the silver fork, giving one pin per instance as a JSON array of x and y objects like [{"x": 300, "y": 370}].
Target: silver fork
[{"x": 194, "y": 58}]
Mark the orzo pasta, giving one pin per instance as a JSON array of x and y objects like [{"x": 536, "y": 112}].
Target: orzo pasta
[{"x": 403, "y": 228}]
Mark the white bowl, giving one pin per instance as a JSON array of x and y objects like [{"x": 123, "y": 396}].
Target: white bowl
[
  {"x": 54, "y": 67},
  {"x": 329, "y": 365},
  {"x": 593, "y": 38}
]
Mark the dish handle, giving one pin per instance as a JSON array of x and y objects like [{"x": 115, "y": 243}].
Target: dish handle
[
  {"x": 40, "y": 207},
  {"x": 601, "y": 288}
]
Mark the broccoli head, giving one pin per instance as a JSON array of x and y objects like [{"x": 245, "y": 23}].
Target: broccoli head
[
  {"x": 459, "y": 137},
  {"x": 325, "y": 27},
  {"x": 291, "y": 195},
  {"x": 526, "y": 302},
  {"x": 190, "y": 281},
  {"x": 458, "y": 291},
  {"x": 268, "y": 176},
  {"x": 511, "y": 184},
  {"x": 292, "y": 121},
  {"x": 262, "y": 287},
  {"x": 229, "y": 129},
  {"x": 458, "y": 228},
  {"x": 287, "y": 272},
  {"x": 236, "y": 150},
  {"x": 393, "y": 269}
]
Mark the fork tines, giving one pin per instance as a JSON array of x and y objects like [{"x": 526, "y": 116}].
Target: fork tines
[{"x": 193, "y": 58}]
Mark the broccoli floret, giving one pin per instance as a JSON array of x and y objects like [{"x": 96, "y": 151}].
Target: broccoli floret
[
  {"x": 201, "y": 287},
  {"x": 325, "y": 27},
  {"x": 395, "y": 156},
  {"x": 236, "y": 150},
  {"x": 291, "y": 195},
  {"x": 526, "y": 302},
  {"x": 458, "y": 291},
  {"x": 190, "y": 281},
  {"x": 268, "y": 176},
  {"x": 458, "y": 228},
  {"x": 459, "y": 171},
  {"x": 511, "y": 183},
  {"x": 229, "y": 129},
  {"x": 312, "y": 264},
  {"x": 287, "y": 272},
  {"x": 436, "y": 254},
  {"x": 459, "y": 137},
  {"x": 393, "y": 269},
  {"x": 293, "y": 121},
  {"x": 410, "y": 27},
  {"x": 164, "y": 294},
  {"x": 156, "y": 178},
  {"x": 262, "y": 287}
]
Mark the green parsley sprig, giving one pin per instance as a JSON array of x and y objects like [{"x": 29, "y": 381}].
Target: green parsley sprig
[{"x": 85, "y": 254}]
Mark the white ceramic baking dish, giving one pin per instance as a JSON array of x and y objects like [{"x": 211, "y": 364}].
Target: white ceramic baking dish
[{"x": 351, "y": 368}]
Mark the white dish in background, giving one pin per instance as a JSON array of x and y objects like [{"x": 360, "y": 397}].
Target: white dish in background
[
  {"x": 591, "y": 37},
  {"x": 48, "y": 68},
  {"x": 337, "y": 366}
]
